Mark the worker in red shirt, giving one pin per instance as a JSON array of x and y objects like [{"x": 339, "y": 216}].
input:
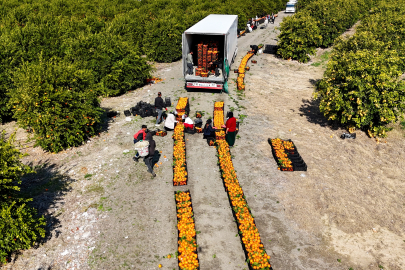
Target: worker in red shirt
[
  {"x": 139, "y": 136},
  {"x": 230, "y": 133}
]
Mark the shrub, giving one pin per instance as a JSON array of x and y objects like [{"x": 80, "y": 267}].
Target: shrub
[
  {"x": 360, "y": 88},
  {"x": 106, "y": 37},
  {"x": 125, "y": 74},
  {"x": 58, "y": 101},
  {"x": 19, "y": 225},
  {"x": 386, "y": 22},
  {"x": 162, "y": 41},
  {"x": 299, "y": 37},
  {"x": 329, "y": 19},
  {"x": 115, "y": 63}
]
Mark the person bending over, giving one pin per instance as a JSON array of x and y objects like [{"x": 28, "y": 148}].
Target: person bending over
[
  {"x": 170, "y": 121},
  {"x": 188, "y": 122},
  {"x": 208, "y": 131},
  {"x": 149, "y": 158},
  {"x": 139, "y": 136}
]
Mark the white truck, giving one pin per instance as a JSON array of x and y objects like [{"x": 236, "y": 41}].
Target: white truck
[
  {"x": 291, "y": 7},
  {"x": 220, "y": 30}
]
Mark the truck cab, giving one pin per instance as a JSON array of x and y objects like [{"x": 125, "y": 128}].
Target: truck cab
[{"x": 291, "y": 7}]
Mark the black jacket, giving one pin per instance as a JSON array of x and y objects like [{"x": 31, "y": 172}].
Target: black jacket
[
  {"x": 159, "y": 103},
  {"x": 152, "y": 144}
]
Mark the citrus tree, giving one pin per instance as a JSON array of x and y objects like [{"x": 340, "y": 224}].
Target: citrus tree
[
  {"x": 361, "y": 86},
  {"x": 20, "y": 226},
  {"x": 299, "y": 37},
  {"x": 57, "y": 101}
]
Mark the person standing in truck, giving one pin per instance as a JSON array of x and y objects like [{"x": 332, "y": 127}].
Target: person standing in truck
[
  {"x": 159, "y": 105},
  {"x": 190, "y": 63}
]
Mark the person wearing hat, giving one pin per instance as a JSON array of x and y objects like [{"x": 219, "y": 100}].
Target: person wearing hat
[
  {"x": 170, "y": 121},
  {"x": 139, "y": 136},
  {"x": 208, "y": 130}
]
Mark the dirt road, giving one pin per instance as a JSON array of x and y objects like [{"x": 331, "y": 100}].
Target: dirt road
[{"x": 107, "y": 212}]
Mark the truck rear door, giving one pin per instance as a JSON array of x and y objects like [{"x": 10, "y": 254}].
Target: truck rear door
[{"x": 184, "y": 52}]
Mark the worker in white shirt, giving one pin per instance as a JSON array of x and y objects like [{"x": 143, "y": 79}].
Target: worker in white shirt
[
  {"x": 188, "y": 122},
  {"x": 170, "y": 122}
]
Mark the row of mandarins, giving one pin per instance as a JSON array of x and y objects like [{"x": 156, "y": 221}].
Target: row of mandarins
[
  {"x": 279, "y": 146},
  {"x": 257, "y": 256},
  {"x": 179, "y": 156},
  {"x": 181, "y": 107},
  {"x": 241, "y": 70},
  {"x": 187, "y": 234},
  {"x": 218, "y": 114}
]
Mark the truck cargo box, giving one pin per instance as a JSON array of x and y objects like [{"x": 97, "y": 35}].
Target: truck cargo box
[{"x": 219, "y": 33}]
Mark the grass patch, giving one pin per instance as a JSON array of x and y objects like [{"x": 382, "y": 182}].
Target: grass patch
[
  {"x": 323, "y": 59},
  {"x": 96, "y": 188},
  {"x": 241, "y": 117},
  {"x": 88, "y": 175}
]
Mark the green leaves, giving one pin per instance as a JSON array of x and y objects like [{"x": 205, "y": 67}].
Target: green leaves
[
  {"x": 318, "y": 24},
  {"x": 11, "y": 168},
  {"x": 360, "y": 88},
  {"x": 57, "y": 101},
  {"x": 299, "y": 37},
  {"x": 19, "y": 226}
]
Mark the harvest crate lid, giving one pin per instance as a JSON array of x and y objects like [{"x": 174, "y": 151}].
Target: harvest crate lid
[{"x": 216, "y": 24}]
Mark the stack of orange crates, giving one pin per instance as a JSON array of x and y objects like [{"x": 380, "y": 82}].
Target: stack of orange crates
[
  {"x": 207, "y": 52},
  {"x": 200, "y": 55}
]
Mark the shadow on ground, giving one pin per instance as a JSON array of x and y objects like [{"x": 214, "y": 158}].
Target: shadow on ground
[
  {"x": 270, "y": 49},
  {"x": 310, "y": 109},
  {"x": 47, "y": 187}
]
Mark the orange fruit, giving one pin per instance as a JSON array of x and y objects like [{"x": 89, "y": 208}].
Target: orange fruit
[{"x": 160, "y": 266}]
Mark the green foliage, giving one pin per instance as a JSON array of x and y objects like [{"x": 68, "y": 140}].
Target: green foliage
[
  {"x": 56, "y": 100},
  {"x": 386, "y": 22},
  {"x": 360, "y": 88},
  {"x": 90, "y": 45},
  {"x": 328, "y": 19},
  {"x": 299, "y": 37},
  {"x": 19, "y": 228},
  {"x": 11, "y": 168},
  {"x": 19, "y": 225}
]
